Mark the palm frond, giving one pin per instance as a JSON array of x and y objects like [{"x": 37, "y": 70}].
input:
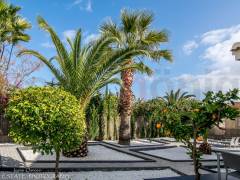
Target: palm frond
[
  {"x": 135, "y": 32},
  {"x": 77, "y": 48},
  {"x": 129, "y": 20},
  {"x": 85, "y": 69},
  {"x": 70, "y": 43},
  {"x": 109, "y": 28},
  {"x": 175, "y": 97},
  {"x": 145, "y": 20},
  {"x": 61, "y": 50}
]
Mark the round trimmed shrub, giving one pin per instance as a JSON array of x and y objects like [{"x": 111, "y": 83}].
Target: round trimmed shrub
[{"x": 46, "y": 118}]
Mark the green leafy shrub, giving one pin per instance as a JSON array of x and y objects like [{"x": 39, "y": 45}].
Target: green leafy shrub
[
  {"x": 49, "y": 119},
  {"x": 151, "y": 112},
  {"x": 94, "y": 117},
  {"x": 93, "y": 124}
]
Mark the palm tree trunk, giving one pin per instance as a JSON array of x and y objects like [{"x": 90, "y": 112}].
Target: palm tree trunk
[
  {"x": 205, "y": 147},
  {"x": 82, "y": 150},
  {"x": 125, "y": 105}
]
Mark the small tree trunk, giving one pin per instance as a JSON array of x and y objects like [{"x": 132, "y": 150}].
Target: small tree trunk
[
  {"x": 57, "y": 165},
  {"x": 194, "y": 155},
  {"x": 2, "y": 52}
]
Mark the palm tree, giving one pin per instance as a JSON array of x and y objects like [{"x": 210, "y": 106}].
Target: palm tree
[
  {"x": 12, "y": 31},
  {"x": 134, "y": 31},
  {"x": 16, "y": 31},
  {"x": 177, "y": 96},
  {"x": 85, "y": 69},
  {"x": 4, "y": 24}
]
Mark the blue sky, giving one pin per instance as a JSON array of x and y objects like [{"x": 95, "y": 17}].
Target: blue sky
[{"x": 201, "y": 34}]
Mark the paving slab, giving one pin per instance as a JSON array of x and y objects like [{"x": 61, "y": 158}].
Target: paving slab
[{"x": 176, "y": 154}]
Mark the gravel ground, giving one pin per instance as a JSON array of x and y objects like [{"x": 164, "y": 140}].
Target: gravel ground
[
  {"x": 92, "y": 175},
  {"x": 176, "y": 154},
  {"x": 96, "y": 152},
  {"x": 10, "y": 156}
]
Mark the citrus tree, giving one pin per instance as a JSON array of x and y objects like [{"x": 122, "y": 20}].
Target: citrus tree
[
  {"x": 49, "y": 119},
  {"x": 150, "y": 112},
  {"x": 190, "y": 118}
]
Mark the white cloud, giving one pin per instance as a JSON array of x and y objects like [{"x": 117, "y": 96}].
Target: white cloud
[
  {"x": 223, "y": 71},
  {"x": 219, "y": 35},
  {"x": 85, "y": 5},
  {"x": 77, "y": 2},
  {"x": 89, "y": 6},
  {"x": 69, "y": 34},
  {"x": 91, "y": 37},
  {"x": 189, "y": 47},
  {"x": 47, "y": 45}
]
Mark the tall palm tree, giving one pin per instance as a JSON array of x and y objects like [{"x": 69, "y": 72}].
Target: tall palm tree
[
  {"x": 4, "y": 25},
  {"x": 134, "y": 31},
  {"x": 16, "y": 30},
  {"x": 85, "y": 69},
  {"x": 177, "y": 96},
  {"x": 12, "y": 30}
]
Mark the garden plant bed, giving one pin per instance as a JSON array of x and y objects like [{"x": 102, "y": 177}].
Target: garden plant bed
[
  {"x": 98, "y": 153},
  {"x": 135, "y": 143}
]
